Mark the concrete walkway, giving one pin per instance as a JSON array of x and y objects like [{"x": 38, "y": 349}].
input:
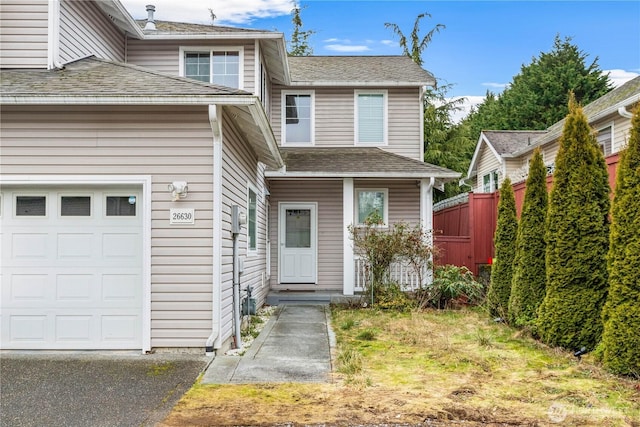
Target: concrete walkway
[{"x": 294, "y": 346}]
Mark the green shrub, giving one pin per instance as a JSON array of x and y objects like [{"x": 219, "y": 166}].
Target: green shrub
[
  {"x": 621, "y": 313},
  {"x": 505, "y": 244},
  {"x": 577, "y": 239},
  {"x": 450, "y": 283},
  {"x": 529, "y": 270}
]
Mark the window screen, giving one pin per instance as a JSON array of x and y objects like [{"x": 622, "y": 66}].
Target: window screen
[
  {"x": 75, "y": 206},
  {"x": 226, "y": 68},
  {"x": 121, "y": 206},
  {"x": 31, "y": 206},
  {"x": 298, "y": 118}
]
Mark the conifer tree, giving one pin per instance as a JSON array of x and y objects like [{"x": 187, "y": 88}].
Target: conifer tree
[
  {"x": 577, "y": 239},
  {"x": 621, "y": 313},
  {"x": 529, "y": 271},
  {"x": 505, "y": 244}
]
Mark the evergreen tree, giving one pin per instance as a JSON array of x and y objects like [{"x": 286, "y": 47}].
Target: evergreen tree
[
  {"x": 529, "y": 271},
  {"x": 299, "y": 43},
  {"x": 577, "y": 239},
  {"x": 621, "y": 313},
  {"x": 505, "y": 244}
]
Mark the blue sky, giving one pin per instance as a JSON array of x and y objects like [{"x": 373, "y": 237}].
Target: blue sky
[{"x": 483, "y": 46}]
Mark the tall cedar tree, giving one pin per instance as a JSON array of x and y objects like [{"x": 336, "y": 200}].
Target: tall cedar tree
[
  {"x": 529, "y": 271},
  {"x": 621, "y": 313},
  {"x": 505, "y": 244},
  {"x": 414, "y": 48},
  {"x": 577, "y": 239}
]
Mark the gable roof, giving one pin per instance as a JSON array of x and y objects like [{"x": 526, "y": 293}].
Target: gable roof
[
  {"x": 355, "y": 162},
  {"x": 358, "y": 71},
  {"x": 93, "y": 77},
  {"x": 502, "y": 144},
  {"x": 621, "y": 97}
]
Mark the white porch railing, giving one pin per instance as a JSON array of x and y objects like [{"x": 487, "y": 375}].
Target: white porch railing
[{"x": 400, "y": 272}]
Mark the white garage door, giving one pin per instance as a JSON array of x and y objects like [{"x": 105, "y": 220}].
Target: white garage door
[{"x": 71, "y": 268}]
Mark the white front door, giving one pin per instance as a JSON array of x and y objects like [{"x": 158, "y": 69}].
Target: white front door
[{"x": 298, "y": 243}]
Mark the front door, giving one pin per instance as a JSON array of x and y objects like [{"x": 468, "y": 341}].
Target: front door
[{"x": 298, "y": 243}]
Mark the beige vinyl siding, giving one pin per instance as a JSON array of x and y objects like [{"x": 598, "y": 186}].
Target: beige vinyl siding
[
  {"x": 512, "y": 167},
  {"x": 241, "y": 168},
  {"x": 334, "y": 118},
  {"x": 164, "y": 55},
  {"x": 136, "y": 140},
  {"x": 328, "y": 195},
  {"x": 23, "y": 33},
  {"x": 86, "y": 30},
  {"x": 487, "y": 162}
]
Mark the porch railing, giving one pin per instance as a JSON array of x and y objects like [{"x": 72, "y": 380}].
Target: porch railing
[{"x": 401, "y": 272}]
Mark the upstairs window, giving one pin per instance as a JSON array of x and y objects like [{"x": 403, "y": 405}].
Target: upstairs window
[
  {"x": 490, "y": 182},
  {"x": 221, "y": 66},
  {"x": 371, "y": 117},
  {"x": 297, "y": 126}
]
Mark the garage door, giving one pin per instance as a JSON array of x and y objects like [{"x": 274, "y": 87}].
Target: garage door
[{"x": 71, "y": 268}]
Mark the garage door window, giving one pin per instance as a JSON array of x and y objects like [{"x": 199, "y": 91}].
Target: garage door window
[
  {"x": 31, "y": 206},
  {"x": 75, "y": 206},
  {"x": 121, "y": 206}
]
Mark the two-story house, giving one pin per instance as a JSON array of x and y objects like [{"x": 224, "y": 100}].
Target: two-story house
[{"x": 152, "y": 171}]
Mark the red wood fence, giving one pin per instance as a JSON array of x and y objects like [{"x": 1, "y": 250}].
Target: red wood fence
[{"x": 463, "y": 234}]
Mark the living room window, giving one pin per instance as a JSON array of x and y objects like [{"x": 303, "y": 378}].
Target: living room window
[
  {"x": 371, "y": 202},
  {"x": 222, "y": 66},
  {"x": 298, "y": 114},
  {"x": 371, "y": 117}
]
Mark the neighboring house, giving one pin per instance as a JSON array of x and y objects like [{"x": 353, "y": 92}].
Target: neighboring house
[
  {"x": 128, "y": 147},
  {"x": 507, "y": 153},
  {"x": 467, "y": 223}
]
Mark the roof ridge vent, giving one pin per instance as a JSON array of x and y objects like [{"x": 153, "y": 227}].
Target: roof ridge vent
[{"x": 151, "y": 23}]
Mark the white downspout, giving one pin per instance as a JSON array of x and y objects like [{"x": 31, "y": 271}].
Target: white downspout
[
  {"x": 214, "y": 340},
  {"x": 53, "y": 39}
]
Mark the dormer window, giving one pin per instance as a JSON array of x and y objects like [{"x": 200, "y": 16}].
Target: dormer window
[{"x": 221, "y": 66}]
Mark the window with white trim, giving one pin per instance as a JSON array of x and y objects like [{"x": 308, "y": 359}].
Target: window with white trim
[
  {"x": 490, "y": 182},
  {"x": 222, "y": 66},
  {"x": 605, "y": 137},
  {"x": 372, "y": 202},
  {"x": 298, "y": 118},
  {"x": 252, "y": 221},
  {"x": 371, "y": 117}
]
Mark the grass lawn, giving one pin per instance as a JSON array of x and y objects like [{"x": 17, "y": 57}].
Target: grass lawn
[{"x": 432, "y": 367}]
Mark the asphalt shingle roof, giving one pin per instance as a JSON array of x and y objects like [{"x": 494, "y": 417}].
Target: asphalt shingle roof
[
  {"x": 345, "y": 161},
  {"x": 168, "y": 27},
  {"x": 509, "y": 141},
  {"x": 371, "y": 69},
  {"x": 97, "y": 77}
]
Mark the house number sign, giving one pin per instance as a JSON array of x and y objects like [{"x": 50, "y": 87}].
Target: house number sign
[{"x": 181, "y": 216}]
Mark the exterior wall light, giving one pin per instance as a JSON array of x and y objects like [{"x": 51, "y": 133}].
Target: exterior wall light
[{"x": 178, "y": 189}]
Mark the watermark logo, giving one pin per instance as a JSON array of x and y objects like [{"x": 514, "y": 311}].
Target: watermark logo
[{"x": 557, "y": 412}]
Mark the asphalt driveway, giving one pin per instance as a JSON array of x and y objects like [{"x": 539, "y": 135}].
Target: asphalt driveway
[{"x": 93, "y": 389}]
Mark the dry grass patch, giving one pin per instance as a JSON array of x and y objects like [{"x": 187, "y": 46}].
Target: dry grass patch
[{"x": 435, "y": 365}]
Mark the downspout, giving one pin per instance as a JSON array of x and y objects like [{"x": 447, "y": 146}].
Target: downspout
[
  {"x": 215, "y": 120},
  {"x": 53, "y": 31}
]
